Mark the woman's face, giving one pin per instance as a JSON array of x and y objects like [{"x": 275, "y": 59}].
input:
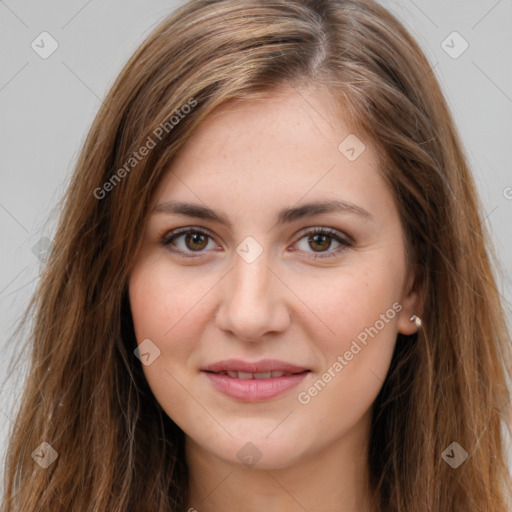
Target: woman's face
[{"x": 256, "y": 272}]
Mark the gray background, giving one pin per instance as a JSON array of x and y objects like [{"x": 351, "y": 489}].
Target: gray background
[{"x": 47, "y": 106}]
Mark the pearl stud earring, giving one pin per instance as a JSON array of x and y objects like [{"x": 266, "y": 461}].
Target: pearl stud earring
[{"x": 416, "y": 319}]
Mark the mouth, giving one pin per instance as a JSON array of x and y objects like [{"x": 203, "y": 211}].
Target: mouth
[
  {"x": 260, "y": 369},
  {"x": 254, "y": 382},
  {"x": 233, "y": 374}
]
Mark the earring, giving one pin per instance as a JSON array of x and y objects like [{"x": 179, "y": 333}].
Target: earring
[{"x": 416, "y": 319}]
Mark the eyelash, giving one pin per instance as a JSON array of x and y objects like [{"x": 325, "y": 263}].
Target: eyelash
[{"x": 345, "y": 244}]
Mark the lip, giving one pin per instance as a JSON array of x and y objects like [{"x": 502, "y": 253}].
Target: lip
[
  {"x": 265, "y": 365},
  {"x": 254, "y": 390}
]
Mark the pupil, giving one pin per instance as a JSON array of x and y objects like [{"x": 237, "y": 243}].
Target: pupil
[
  {"x": 196, "y": 239},
  {"x": 315, "y": 238}
]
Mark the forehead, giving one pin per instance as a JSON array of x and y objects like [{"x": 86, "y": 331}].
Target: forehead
[
  {"x": 284, "y": 125},
  {"x": 271, "y": 151}
]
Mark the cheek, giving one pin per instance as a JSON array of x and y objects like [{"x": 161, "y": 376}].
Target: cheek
[
  {"x": 164, "y": 301},
  {"x": 350, "y": 300},
  {"x": 164, "y": 314},
  {"x": 168, "y": 308},
  {"x": 359, "y": 318}
]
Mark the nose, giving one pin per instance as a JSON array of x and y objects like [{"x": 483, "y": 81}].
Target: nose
[{"x": 253, "y": 300}]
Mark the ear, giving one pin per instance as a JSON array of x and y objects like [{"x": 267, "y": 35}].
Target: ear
[{"x": 412, "y": 302}]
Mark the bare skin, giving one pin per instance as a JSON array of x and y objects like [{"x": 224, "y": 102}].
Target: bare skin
[{"x": 302, "y": 301}]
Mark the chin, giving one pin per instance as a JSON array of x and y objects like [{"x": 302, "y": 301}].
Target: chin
[{"x": 253, "y": 452}]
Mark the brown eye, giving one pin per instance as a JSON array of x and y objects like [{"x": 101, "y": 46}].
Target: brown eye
[
  {"x": 187, "y": 241},
  {"x": 319, "y": 242},
  {"x": 196, "y": 241}
]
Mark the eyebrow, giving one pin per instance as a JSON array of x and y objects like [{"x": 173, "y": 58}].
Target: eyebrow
[{"x": 286, "y": 215}]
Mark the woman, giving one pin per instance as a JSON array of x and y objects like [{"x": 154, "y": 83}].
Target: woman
[{"x": 270, "y": 287}]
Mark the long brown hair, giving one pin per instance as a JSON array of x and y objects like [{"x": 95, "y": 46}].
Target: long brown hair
[{"x": 86, "y": 394}]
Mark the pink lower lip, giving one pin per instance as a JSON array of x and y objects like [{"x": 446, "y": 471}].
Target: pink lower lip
[{"x": 253, "y": 390}]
